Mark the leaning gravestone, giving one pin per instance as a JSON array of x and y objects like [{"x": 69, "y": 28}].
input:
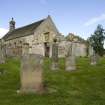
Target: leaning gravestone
[
  {"x": 2, "y": 58},
  {"x": 31, "y": 73},
  {"x": 70, "y": 58},
  {"x": 54, "y": 56}
]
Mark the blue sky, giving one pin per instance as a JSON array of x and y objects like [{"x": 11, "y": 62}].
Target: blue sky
[{"x": 70, "y": 16}]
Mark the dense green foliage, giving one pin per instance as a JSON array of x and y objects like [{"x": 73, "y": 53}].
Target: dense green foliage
[
  {"x": 97, "y": 40},
  {"x": 85, "y": 86}
]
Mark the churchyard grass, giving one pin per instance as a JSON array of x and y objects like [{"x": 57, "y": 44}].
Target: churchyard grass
[{"x": 85, "y": 86}]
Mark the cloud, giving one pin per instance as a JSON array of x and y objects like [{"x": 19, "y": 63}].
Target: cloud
[
  {"x": 44, "y": 2},
  {"x": 95, "y": 20},
  {"x": 3, "y": 32}
]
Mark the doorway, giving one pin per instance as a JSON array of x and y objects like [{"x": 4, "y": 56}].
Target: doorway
[{"x": 47, "y": 49}]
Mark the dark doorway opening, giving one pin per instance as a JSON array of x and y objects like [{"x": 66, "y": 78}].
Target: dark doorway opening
[{"x": 47, "y": 49}]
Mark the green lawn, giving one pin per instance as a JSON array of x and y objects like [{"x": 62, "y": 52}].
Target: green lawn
[{"x": 85, "y": 86}]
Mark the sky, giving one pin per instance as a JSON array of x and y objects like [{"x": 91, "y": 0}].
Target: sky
[{"x": 80, "y": 17}]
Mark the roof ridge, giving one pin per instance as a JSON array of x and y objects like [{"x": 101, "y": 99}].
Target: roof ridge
[
  {"x": 28, "y": 24},
  {"x": 23, "y": 31}
]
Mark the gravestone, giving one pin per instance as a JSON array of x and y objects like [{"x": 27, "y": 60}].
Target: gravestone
[
  {"x": 2, "y": 53},
  {"x": 31, "y": 73},
  {"x": 55, "y": 56},
  {"x": 91, "y": 51},
  {"x": 70, "y": 58},
  {"x": 93, "y": 58}
]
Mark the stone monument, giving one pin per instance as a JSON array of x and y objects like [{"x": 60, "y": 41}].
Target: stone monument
[
  {"x": 93, "y": 58},
  {"x": 54, "y": 65},
  {"x": 2, "y": 52},
  {"x": 31, "y": 73},
  {"x": 70, "y": 58}
]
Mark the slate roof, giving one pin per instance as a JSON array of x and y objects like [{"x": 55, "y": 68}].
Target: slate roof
[{"x": 22, "y": 31}]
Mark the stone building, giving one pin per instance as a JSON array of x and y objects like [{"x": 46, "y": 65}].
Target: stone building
[
  {"x": 38, "y": 37},
  {"x": 80, "y": 48}
]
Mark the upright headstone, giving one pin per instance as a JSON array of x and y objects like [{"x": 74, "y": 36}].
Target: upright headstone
[
  {"x": 55, "y": 56},
  {"x": 93, "y": 58},
  {"x": 2, "y": 53},
  {"x": 91, "y": 51},
  {"x": 31, "y": 72},
  {"x": 70, "y": 58}
]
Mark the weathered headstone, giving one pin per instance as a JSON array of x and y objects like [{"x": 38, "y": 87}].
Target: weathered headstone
[
  {"x": 93, "y": 60},
  {"x": 31, "y": 73},
  {"x": 70, "y": 58},
  {"x": 55, "y": 56},
  {"x": 91, "y": 51},
  {"x": 2, "y": 57},
  {"x": 93, "y": 56}
]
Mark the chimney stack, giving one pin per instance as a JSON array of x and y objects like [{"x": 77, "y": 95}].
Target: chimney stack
[{"x": 11, "y": 25}]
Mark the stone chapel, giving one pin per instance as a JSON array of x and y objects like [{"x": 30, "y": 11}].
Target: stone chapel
[{"x": 38, "y": 37}]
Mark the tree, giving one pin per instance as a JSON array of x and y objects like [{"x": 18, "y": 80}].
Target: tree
[
  {"x": 97, "y": 40},
  {"x": 72, "y": 37}
]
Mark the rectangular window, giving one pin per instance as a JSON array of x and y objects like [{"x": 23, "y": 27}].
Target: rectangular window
[{"x": 46, "y": 36}]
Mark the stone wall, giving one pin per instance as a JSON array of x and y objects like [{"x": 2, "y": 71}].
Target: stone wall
[
  {"x": 80, "y": 49},
  {"x": 14, "y": 47},
  {"x": 62, "y": 49},
  {"x": 38, "y": 49}
]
